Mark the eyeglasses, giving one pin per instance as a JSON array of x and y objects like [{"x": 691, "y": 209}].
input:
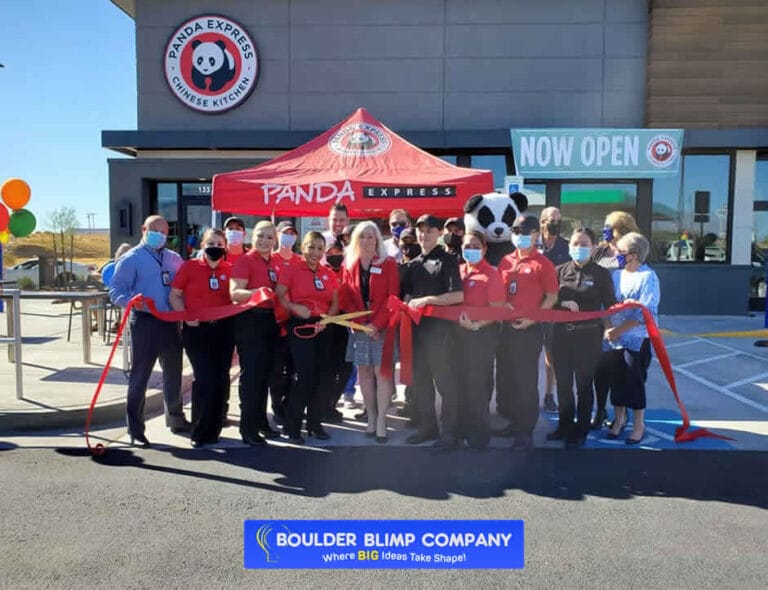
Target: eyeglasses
[{"x": 398, "y": 224}]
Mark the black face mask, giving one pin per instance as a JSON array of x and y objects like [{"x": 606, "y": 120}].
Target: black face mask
[
  {"x": 335, "y": 260},
  {"x": 553, "y": 228},
  {"x": 453, "y": 243},
  {"x": 215, "y": 253},
  {"x": 410, "y": 251}
]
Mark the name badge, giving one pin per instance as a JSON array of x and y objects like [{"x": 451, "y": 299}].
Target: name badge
[
  {"x": 166, "y": 276},
  {"x": 587, "y": 283},
  {"x": 319, "y": 285},
  {"x": 272, "y": 275},
  {"x": 512, "y": 287},
  {"x": 375, "y": 270},
  {"x": 213, "y": 284}
]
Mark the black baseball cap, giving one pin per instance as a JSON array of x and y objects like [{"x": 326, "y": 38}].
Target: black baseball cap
[
  {"x": 526, "y": 224},
  {"x": 429, "y": 220},
  {"x": 408, "y": 232},
  {"x": 454, "y": 221},
  {"x": 283, "y": 225},
  {"x": 236, "y": 220}
]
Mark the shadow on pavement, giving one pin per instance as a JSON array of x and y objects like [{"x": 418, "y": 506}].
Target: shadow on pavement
[{"x": 734, "y": 478}]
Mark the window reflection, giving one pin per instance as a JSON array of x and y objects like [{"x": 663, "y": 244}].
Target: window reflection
[
  {"x": 678, "y": 234},
  {"x": 496, "y": 163},
  {"x": 587, "y": 205}
]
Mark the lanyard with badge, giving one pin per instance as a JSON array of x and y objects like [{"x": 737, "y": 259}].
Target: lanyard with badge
[
  {"x": 213, "y": 281},
  {"x": 319, "y": 285},
  {"x": 164, "y": 274}
]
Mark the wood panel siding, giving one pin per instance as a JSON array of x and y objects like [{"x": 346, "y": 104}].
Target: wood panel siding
[{"x": 707, "y": 63}]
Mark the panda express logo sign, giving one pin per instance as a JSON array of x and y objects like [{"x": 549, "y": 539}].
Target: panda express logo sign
[
  {"x": 662, "y": 151},
  {"x": 360, "y": 139},
  {"x": 211, "y": 64}
]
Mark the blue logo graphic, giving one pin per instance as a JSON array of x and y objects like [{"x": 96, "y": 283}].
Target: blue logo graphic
[{"x": 384, "y": 544}]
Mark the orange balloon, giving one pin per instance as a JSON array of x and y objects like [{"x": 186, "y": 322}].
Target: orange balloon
[{"x": 15, "y": 193}]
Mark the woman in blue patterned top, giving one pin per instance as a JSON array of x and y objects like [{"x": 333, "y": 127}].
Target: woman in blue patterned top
[{"x": 628, "y": 335}]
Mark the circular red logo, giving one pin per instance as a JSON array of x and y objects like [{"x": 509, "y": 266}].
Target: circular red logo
[
  {"x": 360, "y": 139},
  {"x": 211, "y": 64},
  {"x": 662, "y": 151}
]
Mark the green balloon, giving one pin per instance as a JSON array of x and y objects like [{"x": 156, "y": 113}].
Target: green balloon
[{"x": 22, "y": 223}]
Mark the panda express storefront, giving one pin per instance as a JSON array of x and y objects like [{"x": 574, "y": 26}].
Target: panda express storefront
[{"x": 224, "y": 87}]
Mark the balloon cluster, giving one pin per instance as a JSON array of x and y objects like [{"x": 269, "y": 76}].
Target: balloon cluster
[{"x": 15, "y": 194}]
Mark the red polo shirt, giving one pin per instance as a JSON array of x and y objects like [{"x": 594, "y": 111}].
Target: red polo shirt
[
  {"x": 300, "y": 281},
  {"x": 232, "y": 258},
  {"x": 528, "y": 279},
  {"x": 482, "y": 284},
  {"x": 202, "y": 285},
  {"x": 257, "y": 271}
]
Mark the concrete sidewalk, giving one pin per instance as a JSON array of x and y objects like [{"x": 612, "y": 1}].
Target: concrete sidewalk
[{"x": 723, "y": 381}]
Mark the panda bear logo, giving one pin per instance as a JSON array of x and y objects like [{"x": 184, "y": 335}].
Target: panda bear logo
[
  {"x": 211, "y": 62},
  {"x": 360, "y": 139},
  {"x": 662, "y": 151}
]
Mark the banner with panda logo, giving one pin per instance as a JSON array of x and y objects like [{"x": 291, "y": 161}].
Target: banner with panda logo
[
  {"x": 597, "y": 153},
  {"x": 211, "y": 64}
]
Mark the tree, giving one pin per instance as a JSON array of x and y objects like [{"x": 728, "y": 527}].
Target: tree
[{"x": 63, "y": 219}]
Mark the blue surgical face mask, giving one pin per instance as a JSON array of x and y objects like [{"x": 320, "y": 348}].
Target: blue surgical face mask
[
  {"x": 521, "y": 241},
  {"x": 580, "y": 253},
  {"x": 397, "y": 230},
  {"x": 608, "y": 233},
  {"x": 234, "y": 237},
  {"x": 622, "y": 260},
  {"x": 287, "y": 240},
  {"x": 154, "y": 239},
  {"x": 473, "y": 255}
]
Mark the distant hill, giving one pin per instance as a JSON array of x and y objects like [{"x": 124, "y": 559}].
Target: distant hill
[{"x": 88, "y": 248}]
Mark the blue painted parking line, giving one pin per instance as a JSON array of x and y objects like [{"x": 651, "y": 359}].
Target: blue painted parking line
[{"x": 659, "y": 435}]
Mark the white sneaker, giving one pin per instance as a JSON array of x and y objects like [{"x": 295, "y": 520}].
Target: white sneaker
[{"x": 349, "y": 403}]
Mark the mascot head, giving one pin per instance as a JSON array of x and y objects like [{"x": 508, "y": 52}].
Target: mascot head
[{"x": 493, "y": 214}]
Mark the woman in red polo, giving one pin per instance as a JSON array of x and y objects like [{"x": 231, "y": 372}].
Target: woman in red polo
[
  {"x": 255, "y": 334},
  {"x": 307, "y": 291},
  {"x": 369, "y": 278},
  {"x": 483, "y": 287},
  {"x": 202, "y": 283}
]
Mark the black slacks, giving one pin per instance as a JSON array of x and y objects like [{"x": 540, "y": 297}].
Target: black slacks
[
  {"x": 434, "y": 355},
  {"x": 281, "y": 376},
  {"x": 629, "y": 371},
  {"x": 576, "y": 353},
  {"x": 517, "y": 377},
  {"x": 256, "y": 334},
  {"x": 311, "y": 379},
  {"x": 151, "y": 340},
  {"x": 209, "y": 347},
  {"x": 341, "y": 370},
  {"x": 475, "y": 354}
]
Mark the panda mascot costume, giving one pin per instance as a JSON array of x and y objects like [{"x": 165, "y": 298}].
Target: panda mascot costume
[{"x": 493, "y": 215}]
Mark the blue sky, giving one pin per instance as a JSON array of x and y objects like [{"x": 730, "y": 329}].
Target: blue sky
[{"x": 70, "y": 72}]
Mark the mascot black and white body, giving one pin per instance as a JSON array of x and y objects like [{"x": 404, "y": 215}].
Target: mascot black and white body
[{"x": 493, "y": 214}]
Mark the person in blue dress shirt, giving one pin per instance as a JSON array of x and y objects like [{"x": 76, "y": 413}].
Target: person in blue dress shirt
[{"x": 148, "y": 269}]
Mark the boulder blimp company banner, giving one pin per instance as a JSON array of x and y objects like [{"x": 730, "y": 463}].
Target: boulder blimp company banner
[
  {"x": 384, "y": 544},
  {"x": 597, "y": 153}
]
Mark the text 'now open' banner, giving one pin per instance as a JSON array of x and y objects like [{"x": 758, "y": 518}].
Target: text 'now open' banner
[{"x": 384, "y": 544}]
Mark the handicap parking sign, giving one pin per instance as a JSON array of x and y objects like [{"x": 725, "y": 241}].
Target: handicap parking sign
[{"x": 513, "y": 184}]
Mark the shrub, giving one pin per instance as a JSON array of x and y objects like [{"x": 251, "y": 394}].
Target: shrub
[{"x": 26, "y": 284}]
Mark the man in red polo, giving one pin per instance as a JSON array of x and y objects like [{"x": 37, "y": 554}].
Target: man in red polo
[{"x": 531, "y": 283}]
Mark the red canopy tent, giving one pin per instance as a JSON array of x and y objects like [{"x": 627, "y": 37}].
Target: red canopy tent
[{"x": 358, "y": 162}]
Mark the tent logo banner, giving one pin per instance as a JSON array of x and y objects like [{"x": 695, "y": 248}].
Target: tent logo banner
[
  {"x": 597, "y": 153},
  {"x": 408, "y": 192},
  {"x": 360, "y": 139},
  {"x": 211, "y": 64}
]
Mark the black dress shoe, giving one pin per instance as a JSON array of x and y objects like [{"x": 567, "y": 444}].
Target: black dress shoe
[
  {"x": 295, "y": 439},
  {"x": 334, "y": 417},
  {"x": 269, "y": 432},
  {"x": 522, "y": 442},
  {"x": 254, "y": 440},
  {"x": 197, "y": 444},
  {"x": 139, "y": 440},
  {"x": 318, "y": 433},
  {"x": 574, "y": 441},
  {"x": 445, "y": 444},
  {"x": 362, "y": 416},
  {"x": 613, "y": 436},
  {"x": 506, "y": 432},
  {"x": 421, "y": 436},
  {"x": 601, "y": 416},
  {"x": 184, "y": 428},
  {"x": 635, "y": 441},
  {"x": 557, "y": 434}
]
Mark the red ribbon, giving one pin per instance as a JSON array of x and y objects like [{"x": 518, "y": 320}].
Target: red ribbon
[
  {"x": 261, "y": 298},
  {"x": 402, "y": 314}
]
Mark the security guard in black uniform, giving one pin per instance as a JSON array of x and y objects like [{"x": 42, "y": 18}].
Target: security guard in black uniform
[
  {"x": 584, "y": 286},
  {"x": 433, "y": 278}
]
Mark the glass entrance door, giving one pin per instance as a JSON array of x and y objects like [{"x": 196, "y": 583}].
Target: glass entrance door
[
  {"x": 195, "y": 219},
  {"x": 587, "y": 204}
]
